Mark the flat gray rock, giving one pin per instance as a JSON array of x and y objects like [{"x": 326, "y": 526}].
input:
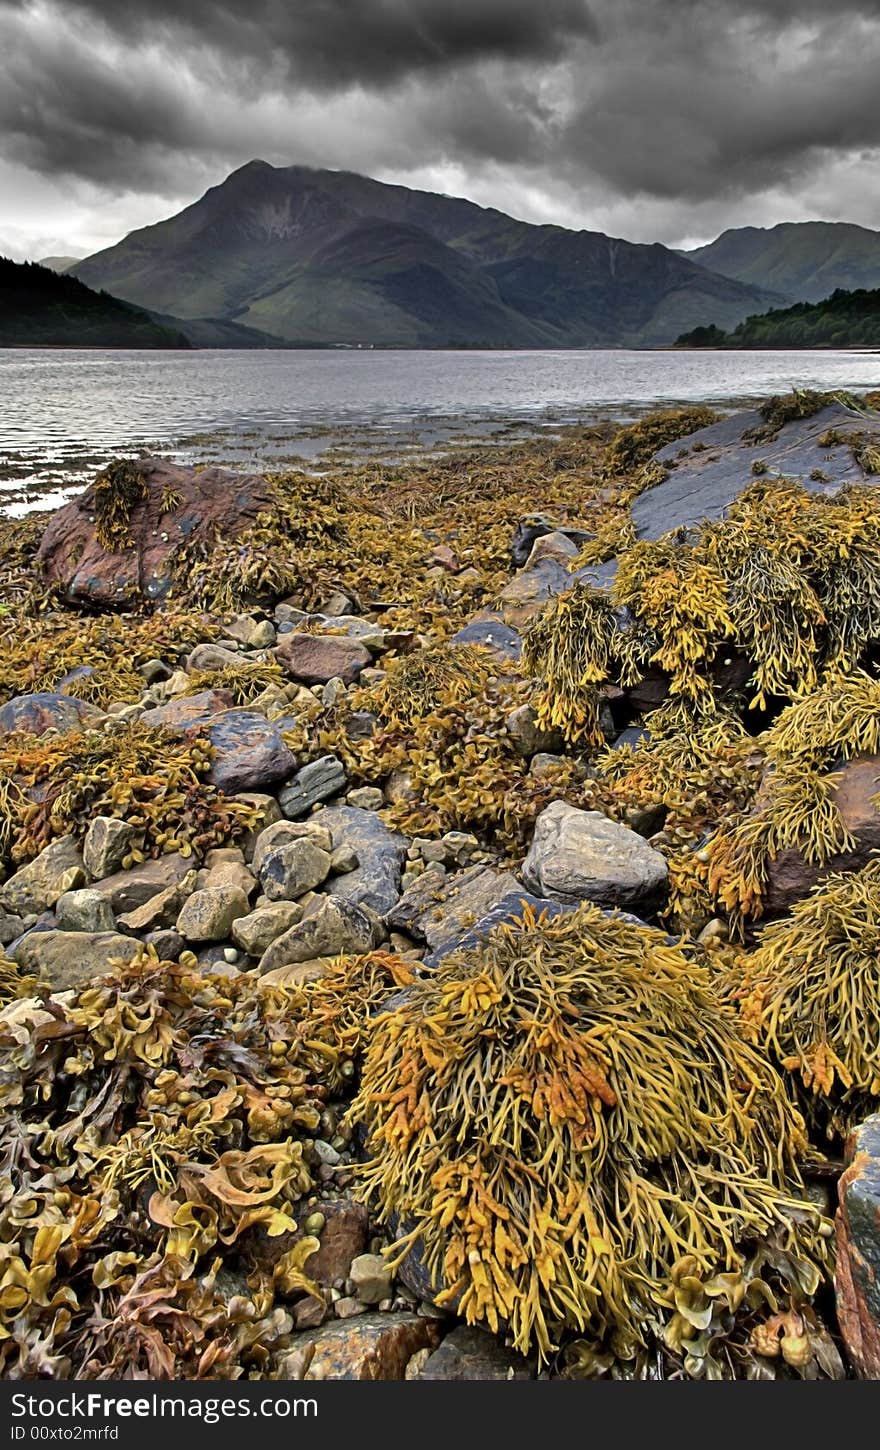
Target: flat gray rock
[{"x": 704, "y": 483}]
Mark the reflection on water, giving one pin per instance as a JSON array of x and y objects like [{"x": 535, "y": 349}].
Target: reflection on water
[{"x": 63, "y": 414}]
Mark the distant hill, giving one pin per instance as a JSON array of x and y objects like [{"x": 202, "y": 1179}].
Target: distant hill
[
  {"x": 58, "y": 264},
  {"x": 331, "y": 258},
  {"x": 39, "y": 308},
  {"x": 845, "y": 319},
  {"x": 805, "y": 261}
]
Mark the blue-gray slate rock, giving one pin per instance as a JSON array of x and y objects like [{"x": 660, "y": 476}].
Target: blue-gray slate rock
[
  {"x": 509, "y": 909},
  {"x": 491, "y": 631},
  {"x": 376, "y": 881},
  {"x": 315, "y": 782},
  {"x": 704, "y": 483}
]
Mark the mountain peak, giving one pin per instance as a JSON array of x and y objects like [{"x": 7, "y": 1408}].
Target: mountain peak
[
  {"x": 330, "y": 257},
  {"x": 806, "y": 261}
]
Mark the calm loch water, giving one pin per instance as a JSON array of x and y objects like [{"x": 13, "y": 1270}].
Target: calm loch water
[{"x": 63, "y": 414}]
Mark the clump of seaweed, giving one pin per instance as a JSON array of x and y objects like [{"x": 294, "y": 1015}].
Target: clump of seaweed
[
  {"x": 422, "y": 682},
  {"x": 52, "y": 786},
  {"x": 97, "y": 659},
  {"x": 788, "y": 407},
  {"x": 336, "y": 1010},
  {"x": 245, "y": 680},
  {"x": 634, "y": 446},
  {"x": 579, "y": 642},
  {"x": 811, "y": 998},
  {"x": 156, "y": 1123},
  {"x": 785, "y": 581},
  {"x": 118, "y": 489},
  {"x": 548, "y": 1129}
]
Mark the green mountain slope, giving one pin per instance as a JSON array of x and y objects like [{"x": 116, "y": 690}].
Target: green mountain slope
[
  {"x": 327, "y": 257},
  {"x": 805, "y": 261},
  {"x": 845, "y": 319},
  {"x": 40, "y": 308}
]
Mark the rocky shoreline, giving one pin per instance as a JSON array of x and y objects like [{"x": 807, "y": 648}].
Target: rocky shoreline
[{"x": 437, "y": 912}]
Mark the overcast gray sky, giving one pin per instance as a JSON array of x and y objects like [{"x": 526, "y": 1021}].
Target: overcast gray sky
[{"x": 664, "y": 120}]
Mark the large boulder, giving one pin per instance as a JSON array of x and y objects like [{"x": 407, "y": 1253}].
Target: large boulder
[
  {"x": 35, "y": 714},
  {"x": 857, "y": 1272},
  {"x": 212, "y": 504},
  {"x": 580, "y": 855}
]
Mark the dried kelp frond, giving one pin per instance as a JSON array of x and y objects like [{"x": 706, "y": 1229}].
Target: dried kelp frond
[
  {"x": 550, "y": 1131},
  {"x": 156, "y": 1124},
  {"x": 635, "y": 445},
  {"x": 788, "y": 407},
  {"x": 14, "y": 981},
  {"x": 54, "y": 785},
  {"x": 118, "y": 488},
  {"x": 811, "y": 997}
]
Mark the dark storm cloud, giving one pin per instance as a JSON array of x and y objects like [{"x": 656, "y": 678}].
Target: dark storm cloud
[
  {"x": 649, "y": 118},
  {"x": 332, "y": 43}
]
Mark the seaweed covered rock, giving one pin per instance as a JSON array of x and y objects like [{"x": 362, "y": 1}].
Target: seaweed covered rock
[
  {"x": 810, "y": 995},
  {"x": 117, "y": 542},
  {"x": 567, "y": 1123},
  {"x": 791, "y": 875},
  {"x": 580, "y": 855}
]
